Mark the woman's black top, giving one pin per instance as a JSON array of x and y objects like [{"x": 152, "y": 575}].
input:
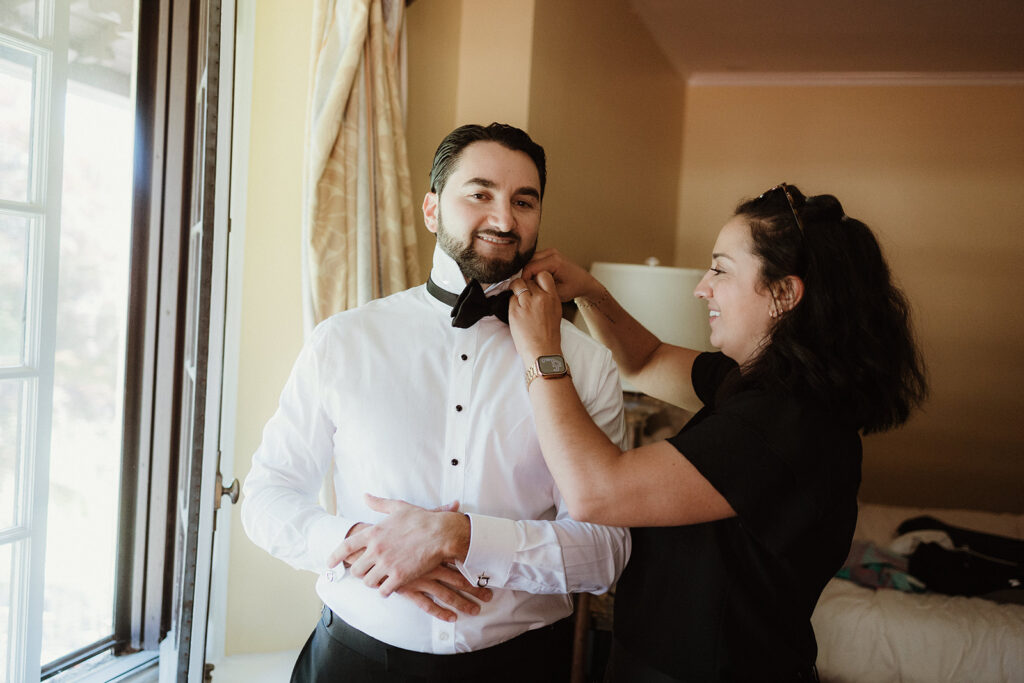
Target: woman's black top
[{"x": 732, "y": 599}]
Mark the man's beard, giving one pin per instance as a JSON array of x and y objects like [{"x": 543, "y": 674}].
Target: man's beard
[{"x": 477, "y": 267}]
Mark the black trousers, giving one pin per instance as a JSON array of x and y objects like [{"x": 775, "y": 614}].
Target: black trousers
[{"x": 336, "y": 651}]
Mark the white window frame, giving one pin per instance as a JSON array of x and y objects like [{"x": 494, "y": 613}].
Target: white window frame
[{"x": 43, "y": 208}]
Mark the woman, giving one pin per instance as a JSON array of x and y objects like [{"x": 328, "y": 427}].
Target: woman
[{"x": 741, "y": 518}]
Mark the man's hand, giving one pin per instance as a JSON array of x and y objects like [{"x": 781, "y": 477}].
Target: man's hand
[
  {"x": 444, "y": 585},
  {"x": 348, "y": 560},
  {"x": 359, "y": 526},
  {"x": 405, "y": 546}
]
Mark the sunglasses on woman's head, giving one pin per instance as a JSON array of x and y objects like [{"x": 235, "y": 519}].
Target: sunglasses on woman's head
[{"x": 789, "y": 200}]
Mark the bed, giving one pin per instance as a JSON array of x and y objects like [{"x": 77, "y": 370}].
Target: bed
[{"x": 876, "y": 635}]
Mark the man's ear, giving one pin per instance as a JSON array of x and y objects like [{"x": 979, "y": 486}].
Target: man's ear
[{"x": 430, "y": 211}]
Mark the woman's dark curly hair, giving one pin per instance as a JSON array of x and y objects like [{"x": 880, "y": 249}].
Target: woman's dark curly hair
[{"x": 849, "y": 343}]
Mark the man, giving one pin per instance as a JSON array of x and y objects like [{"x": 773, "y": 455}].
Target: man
[{"x": 423, "y": 405}]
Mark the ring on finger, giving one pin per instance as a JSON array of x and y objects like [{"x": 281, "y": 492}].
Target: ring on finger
[{"x": 520, "y": 291}]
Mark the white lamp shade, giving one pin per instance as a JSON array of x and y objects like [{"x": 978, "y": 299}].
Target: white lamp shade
[{"x": 661, "y": 299}]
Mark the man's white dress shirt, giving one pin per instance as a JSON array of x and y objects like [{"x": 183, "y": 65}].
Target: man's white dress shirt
[{"x": 394, "y": 401}]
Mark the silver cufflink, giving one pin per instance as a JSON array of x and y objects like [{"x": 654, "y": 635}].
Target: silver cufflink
[{"x": 481, "y": 581}]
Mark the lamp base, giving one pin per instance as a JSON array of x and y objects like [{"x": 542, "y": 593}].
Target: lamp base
[{"x": 649, "y": 419}]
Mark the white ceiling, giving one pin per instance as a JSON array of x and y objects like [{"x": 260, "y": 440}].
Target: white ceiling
[{"x": 800, "y": 36}]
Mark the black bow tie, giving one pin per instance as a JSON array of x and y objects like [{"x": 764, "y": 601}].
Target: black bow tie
[{"x": 471, "y": 305}]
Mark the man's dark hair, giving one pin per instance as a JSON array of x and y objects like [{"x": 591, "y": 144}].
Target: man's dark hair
[{"x": 510, "y": 137}]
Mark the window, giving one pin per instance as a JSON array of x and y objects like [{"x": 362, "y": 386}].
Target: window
[
  {"x": 108, "y": 125},
  {"x": 65, "y": 226}
]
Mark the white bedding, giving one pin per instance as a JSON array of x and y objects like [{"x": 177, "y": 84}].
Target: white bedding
[{"x": 874, "y": 636}]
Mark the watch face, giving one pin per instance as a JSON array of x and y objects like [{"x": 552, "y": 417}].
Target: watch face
[{"x": 551, "y": 365}]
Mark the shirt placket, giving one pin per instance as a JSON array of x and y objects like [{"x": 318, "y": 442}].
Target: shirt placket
[{"x": 453, "y": 477}]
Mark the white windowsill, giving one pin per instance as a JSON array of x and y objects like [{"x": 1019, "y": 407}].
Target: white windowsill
[
  {"x": 140, "y": 667},
  {"x": 270, "y": 667}
]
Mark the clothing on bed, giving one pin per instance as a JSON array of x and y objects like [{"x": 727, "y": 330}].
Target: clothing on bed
[
  {"x": 886, "y": 635},
  {"x": 930, "y": 555},
  {"x": 994, "y": 546},
  {"x": 873, "y": 567},
  {"x": 961, "y": 572},
  {"x": 732, "y": 599}
]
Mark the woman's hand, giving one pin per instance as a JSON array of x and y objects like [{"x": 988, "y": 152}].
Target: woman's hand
[
  {"x": 535, "y": 317},
  {"x": 570, "y": 279}
]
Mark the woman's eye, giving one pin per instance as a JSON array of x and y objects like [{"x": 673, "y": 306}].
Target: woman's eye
[{"x": 716, "y": 271}]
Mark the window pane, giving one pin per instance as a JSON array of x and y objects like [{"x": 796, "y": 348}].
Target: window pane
[
  {"x": 14, "y": 272},
  {"x": 6, "y": 617},
  {"x": 12, "y": 463},
  {"x": 20, "y": 15},
  {"x": 17, "y": 70},
  {"x": 85, "y": 456},
  {"x": 101, "y": 42}
]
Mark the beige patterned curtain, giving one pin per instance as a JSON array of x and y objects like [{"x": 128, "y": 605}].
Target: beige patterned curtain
[{"x": 358, "y": 237}]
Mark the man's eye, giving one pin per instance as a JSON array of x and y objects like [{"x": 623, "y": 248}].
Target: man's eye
[{"x": 524, "y": 204}]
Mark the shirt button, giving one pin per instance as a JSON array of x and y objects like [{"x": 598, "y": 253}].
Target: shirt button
[
  {"x": 455, "y": 461},
  {"x": 443, "y": 636},
  {"x": 458, "y": 409},
  {"x": 465, "y": 357}
]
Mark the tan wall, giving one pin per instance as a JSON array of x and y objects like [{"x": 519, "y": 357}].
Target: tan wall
[
  {"x": 432, "y": 40},
  {"x": 938, "y": 173},
  {"x": 606, "y": 105},
  {"x": 468, "y": 62},
  {"x": 585, "y": 80},
  {"x": 494, "y": 68},
  {"x": 270, "y": 605}
]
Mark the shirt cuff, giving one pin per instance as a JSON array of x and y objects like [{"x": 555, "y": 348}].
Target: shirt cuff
[
  {"x": 325, "y": 535},
  {"x": 491, "y": 550}
]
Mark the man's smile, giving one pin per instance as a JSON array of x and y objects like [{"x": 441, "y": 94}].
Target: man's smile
[{"x": 498, "y": 240}]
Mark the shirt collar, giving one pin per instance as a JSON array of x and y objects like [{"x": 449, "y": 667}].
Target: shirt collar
[{"x": 447, "y": 274}]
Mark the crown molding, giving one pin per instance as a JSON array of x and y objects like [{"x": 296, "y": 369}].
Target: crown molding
[{"x": 853, "y": 78}]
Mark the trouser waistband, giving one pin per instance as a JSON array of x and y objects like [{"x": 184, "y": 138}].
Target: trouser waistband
[{"x": 511, "y": 653}]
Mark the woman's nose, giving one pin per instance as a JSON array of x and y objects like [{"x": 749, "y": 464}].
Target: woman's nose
[{"x": 703, "y": 288}]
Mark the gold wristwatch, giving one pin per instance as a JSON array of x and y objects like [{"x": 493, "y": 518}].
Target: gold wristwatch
[{"x": 548, "y": 367}]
